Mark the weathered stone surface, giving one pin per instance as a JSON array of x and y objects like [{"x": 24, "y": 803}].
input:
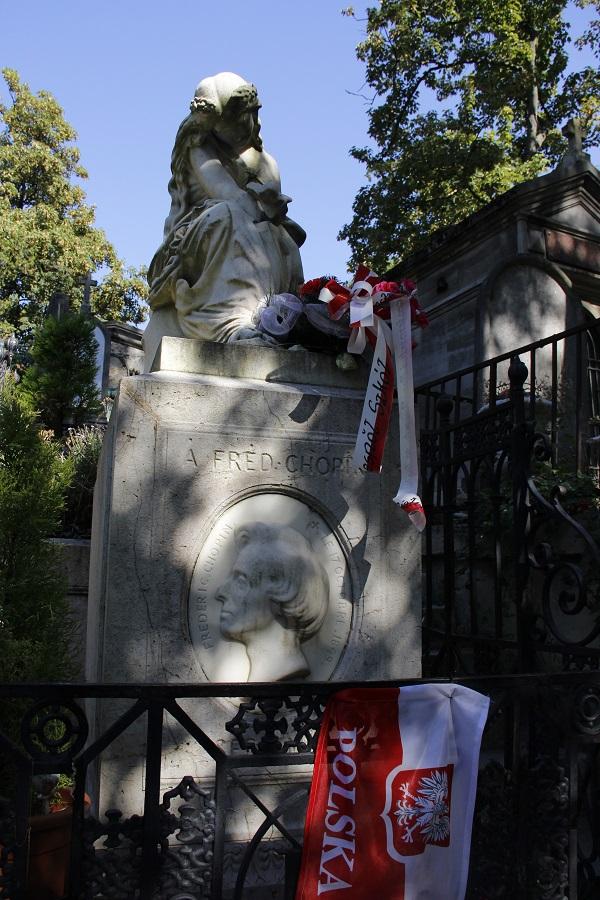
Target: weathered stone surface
[
  {"x": 258, "y": 362},
  {"x": 189, "y": 457},
  {"x": 523, "y": 295},
  {"x": 185, "y": 449},
  {"x": 75, "y": 560}
]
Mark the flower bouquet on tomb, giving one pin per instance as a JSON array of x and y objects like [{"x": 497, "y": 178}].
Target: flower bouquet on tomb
[{"x": 346, "y": 319}]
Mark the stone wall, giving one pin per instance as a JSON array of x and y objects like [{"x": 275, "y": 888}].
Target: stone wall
[{"x": 76, "y": 567}]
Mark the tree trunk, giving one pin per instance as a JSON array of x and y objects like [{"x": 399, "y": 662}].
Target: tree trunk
[{"x": 534, "y": 136}]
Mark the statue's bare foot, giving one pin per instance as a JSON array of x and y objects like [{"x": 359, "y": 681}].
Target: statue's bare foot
[{"x": 249, "y": 335}]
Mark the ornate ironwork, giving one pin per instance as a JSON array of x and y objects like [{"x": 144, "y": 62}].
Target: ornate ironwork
[
  {"x": 512, "y": 577},
  {"x": 570, "y": 586},
  {"x": 111, "y": 871},
  {"x": 493, "y": 874},
  {"x": 488, "y": 432},
  {"x": 586, "y": 709},
  {"x": 511, "y": 568},
  {"x": 309, "y": 712},
  {"x": 186, "y": 868},
  {"x": 278, "y": 725},
  {"x": 541, "y": 753},
  {"x": 54, "y": 732},
  {"x": 430, "y": 447},
  {"x": 259, "y": 733}
]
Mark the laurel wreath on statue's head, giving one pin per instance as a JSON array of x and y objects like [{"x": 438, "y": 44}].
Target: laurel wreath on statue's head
[{"x": 243, "y": 97}]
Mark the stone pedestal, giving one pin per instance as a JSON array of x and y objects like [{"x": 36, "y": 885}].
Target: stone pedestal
[{"x": 196, "y": 465}]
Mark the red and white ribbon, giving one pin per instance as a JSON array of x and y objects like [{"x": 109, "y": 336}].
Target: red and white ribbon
[
  {"x": 359, "y": 298},
  {"x": 370, "y": 301},
  {"x": 407, "y": 495}
]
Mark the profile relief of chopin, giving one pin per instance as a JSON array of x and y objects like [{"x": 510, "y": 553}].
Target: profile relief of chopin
[{"x": 275, "y": 598}]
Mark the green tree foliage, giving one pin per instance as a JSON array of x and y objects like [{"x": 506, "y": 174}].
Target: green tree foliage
[
  {"x": 48, "y": 240},
  {"x": 495, "y": 78},
  {"x": 61, "y": 380},
  {"x": 82, "y": 446},
  {"x": 35, "y": 625}
]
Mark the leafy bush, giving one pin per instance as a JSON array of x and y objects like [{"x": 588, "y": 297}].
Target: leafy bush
[
  {"x": 35, "y": 623},
  {"x": 82, "y": 448}
]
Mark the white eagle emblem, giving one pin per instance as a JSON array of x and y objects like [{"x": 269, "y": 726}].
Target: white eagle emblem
[
  {"x": 417, "y": 810},
  {"x": 426, "y": 811}
]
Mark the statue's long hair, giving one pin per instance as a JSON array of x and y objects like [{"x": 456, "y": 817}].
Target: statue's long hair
[{"x": 225, "y": 94}]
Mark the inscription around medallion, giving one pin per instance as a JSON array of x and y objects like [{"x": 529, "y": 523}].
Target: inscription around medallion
[{"x": 223, "y": 636}]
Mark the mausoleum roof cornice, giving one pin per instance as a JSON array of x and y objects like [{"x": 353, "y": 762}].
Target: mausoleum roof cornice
[{"x": 542, "y": 197}]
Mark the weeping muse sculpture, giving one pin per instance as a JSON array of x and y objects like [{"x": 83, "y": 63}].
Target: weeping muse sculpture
[{"x": 228, "y": 242}]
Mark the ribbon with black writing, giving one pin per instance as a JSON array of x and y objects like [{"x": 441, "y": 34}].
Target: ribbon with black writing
[{"x": 372, "y": 304}]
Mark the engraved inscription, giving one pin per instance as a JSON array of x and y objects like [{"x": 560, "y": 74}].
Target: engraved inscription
[
  {"x": 203, "y": 580},
  {"x": 300, "y": 463},
  {"x": 241, "y": 461},
  {"x": 191, "y": 457},
  {"x": 292, "y": 460}
]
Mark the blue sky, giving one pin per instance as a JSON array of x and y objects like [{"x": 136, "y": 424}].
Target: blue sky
[{"x": 125, "y": 72}]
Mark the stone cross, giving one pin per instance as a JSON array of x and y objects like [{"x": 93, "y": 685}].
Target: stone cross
[
  {"x": 574, "y": 135},
  {"x": 575, "y": 153},
  {"x": 88, "y": 283}
]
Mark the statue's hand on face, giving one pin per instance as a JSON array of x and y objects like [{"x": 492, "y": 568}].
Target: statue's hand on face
[{"x": 239, "y": 130}]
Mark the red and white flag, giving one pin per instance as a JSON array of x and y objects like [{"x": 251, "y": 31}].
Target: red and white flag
[{"x": 393, "y": 792}]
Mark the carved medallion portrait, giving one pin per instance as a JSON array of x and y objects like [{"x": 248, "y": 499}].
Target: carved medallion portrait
[{"x": 270, "y": 594}]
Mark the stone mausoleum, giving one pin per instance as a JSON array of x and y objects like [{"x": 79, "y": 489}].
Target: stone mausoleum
[{"x": 524, "y": 267}]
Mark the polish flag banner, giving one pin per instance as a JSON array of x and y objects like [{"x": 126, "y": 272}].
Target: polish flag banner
[{"x": 391, "y": 803}]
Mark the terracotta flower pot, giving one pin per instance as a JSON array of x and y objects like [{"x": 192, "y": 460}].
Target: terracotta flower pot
[{"x": 50, "y": 849}]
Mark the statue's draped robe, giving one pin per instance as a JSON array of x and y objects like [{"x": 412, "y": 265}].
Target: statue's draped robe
[{"x": 217, "y": 262}]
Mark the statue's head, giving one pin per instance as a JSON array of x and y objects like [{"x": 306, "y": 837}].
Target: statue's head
[
  {"x": 275, "y": 577},
  {"x": 224, "y": 106},
  {"x": 228, "y": 105}
]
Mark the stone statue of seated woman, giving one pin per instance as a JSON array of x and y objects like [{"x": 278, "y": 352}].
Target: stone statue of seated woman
[{"x": 228, "y": 242}]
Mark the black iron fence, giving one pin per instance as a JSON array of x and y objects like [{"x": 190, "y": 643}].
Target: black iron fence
[
  {"x": 536, "y": 823},
  {"x": 512, "y": 587},
  {"x": 511, "y": 554}
]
